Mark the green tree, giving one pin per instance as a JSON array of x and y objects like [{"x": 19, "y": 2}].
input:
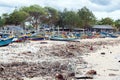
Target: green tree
[
  {"x": 70, "y": 18},
  {"x": 60, "y": 22},
  {"x": 87, "y": 18},
  {"x": 2, "y": 22},
  {"x": 106, "y": 21},
  {"x": 36, "y": 13},
  {"x": 117, "y": 24},
  {"x": 52, "y": 15},
  {"x": 5, "y": 17},
  {"x": 17, "y": 17}
]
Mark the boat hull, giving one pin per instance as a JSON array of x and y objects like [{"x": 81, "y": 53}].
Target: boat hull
[
  {"x": 62, "y": 39},
  {"x": 36, "y": 39},
  {"x": 6, "y": 42}
]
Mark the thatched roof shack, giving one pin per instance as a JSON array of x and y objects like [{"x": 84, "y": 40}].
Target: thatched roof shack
[{"x": 100, "y": 28}]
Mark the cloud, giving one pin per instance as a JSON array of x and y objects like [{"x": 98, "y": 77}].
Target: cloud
[
  {"x": 114, "y": 15},
  {"x": 99, "y": 5},
  {"x": 5, "y": 10},
  {"x": 100, "y": 8},
  {"x": 101, "y": 2},
  {"x": 7, "y": 6}
]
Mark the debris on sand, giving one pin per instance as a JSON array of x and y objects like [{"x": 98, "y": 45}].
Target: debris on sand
[
  {"x": 59, "y": 76},
  {"x": 102, "y": 53},
  {"x": 84, "y": 77},
  {"x": 91, "y": 72},
  {"x": 44, "y": 59},
  {"x": 30, "y": 70},
  {"x": 43, "y": 42},
  {"x": 111, "y": 74}
]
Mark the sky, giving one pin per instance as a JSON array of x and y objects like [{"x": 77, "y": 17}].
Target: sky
[{"x": 100, "y": 8}]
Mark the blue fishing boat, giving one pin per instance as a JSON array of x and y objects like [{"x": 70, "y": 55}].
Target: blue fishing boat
[
  {"x": 62, "y": 36},
  {"x": 112, "y": 36},
  {"x": 5, "y": 42},
  {"x": 57, "y": 38}
]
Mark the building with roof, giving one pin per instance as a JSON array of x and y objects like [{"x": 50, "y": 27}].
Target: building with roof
[
  {"x": 12, "y": 29},
  {"x": 103, "y": 28}
]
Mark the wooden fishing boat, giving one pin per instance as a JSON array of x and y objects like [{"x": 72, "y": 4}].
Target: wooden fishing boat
[
  {"x": 5, "y": 42},
  {"x": 113, "y": 36},
  {"x": 57, "y": 38},
  {"x": 20, "y": 39},
  {"x": 36, "y": 37},
  {"x": 64, "y": 36}
]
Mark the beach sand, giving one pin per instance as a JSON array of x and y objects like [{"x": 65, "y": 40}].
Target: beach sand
[
  {"x": 107, "y": 65},
  {"x": 104, "y": 58}
]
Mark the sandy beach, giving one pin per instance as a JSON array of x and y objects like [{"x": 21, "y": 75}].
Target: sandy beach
[
  {"x": 107, "y": 65},
  {"x": 101, "y": 55}
]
